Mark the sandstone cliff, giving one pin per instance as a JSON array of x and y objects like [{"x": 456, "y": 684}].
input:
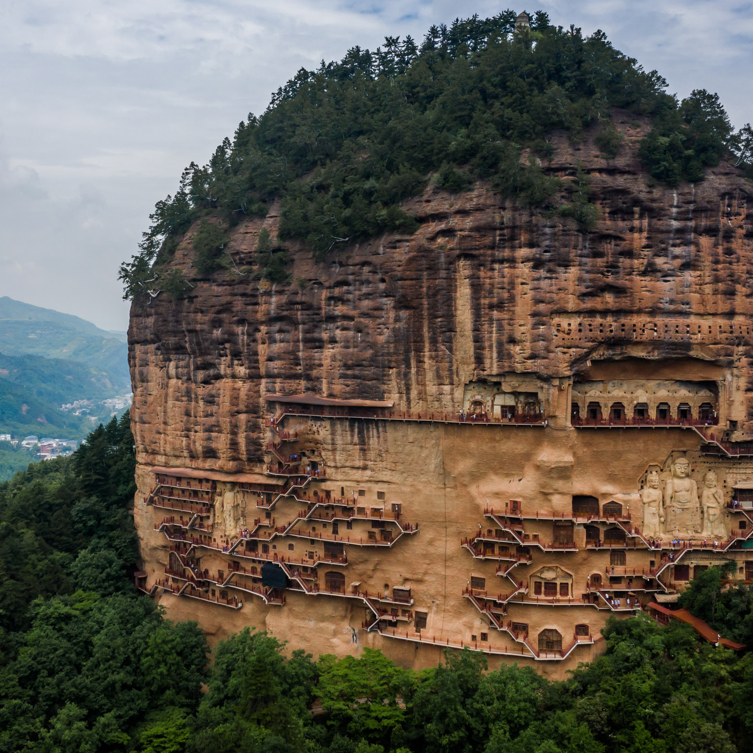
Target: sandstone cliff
[
  {"x": 483, "y": 288},
  {"x": 601, "y": 342}
]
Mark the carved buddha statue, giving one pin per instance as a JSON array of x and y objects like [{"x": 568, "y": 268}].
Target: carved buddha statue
[
  {"x": 651, "y": 497},
  {"x": 681, "y": 505},
  {"x": 712, "y": 502}
]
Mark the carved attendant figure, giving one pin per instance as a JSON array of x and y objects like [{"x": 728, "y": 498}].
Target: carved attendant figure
[
  {"x": 651, "y": 497},
  {"x": 712, "y": 502},
  {"x": 681, "y": 501}
]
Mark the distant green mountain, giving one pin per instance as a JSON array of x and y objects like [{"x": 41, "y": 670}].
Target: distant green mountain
[
  {"x": 18, "y": 311},
  {"x": 59, "y": 381},
  {"x": 22, "y": 413},
  {"x": 31, "y": 330}
]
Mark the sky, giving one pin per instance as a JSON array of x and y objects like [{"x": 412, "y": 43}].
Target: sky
[{"x": 104, "y": 102}]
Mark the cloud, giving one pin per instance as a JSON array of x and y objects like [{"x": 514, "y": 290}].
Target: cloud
[{"x": 104, "y": 102}]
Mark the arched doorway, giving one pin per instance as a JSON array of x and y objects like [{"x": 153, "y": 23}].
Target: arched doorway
[
  {"x": 640, "y": 412},
  {"x": 531, "y": 407},
  {"x": 477, "y": 408},
  {"x": 617, "y": 413},
  {"x": 593, "y": 536},
  {"x": 706, "y": 412},
  {"x": 612, "y": 508},
  {"x": 334, "y": 581},
  {"x": 663, "y": 412},
  {"x": 615, "y": 536},
  {"x": 550, "y": 640},
  {"x": 593, "y": 412},
  {"x": 684, "y": 412}
]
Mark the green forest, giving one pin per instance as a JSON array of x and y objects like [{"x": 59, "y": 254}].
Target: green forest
[
  {"x": 343, "y": 145},
  {"x": 88, "y": 664}
]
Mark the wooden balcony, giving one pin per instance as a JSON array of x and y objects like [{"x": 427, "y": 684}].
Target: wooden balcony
[
  {"x": 326, "y": 411},
  {"x": 656, "y": 423}
]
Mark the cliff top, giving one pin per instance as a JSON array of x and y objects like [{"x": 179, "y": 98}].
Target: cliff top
[{"x": 341, "y": 148}]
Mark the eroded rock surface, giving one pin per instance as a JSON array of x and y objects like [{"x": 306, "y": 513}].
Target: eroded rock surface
[{"x": 488, "y": 309}]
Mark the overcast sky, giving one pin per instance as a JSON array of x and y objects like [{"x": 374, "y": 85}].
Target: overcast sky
[{"x": 104, "y": 102}]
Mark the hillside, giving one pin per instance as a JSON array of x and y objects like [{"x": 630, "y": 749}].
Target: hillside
[
  {"x": 30, "y": 330},
  {"x": 59, "y": 381},
  {"x": 22, "y": 413}
]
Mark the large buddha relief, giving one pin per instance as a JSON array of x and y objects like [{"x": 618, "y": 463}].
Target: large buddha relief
[
  {"x": 681, "y": 505},
  {"x": 680, "y": 511}
]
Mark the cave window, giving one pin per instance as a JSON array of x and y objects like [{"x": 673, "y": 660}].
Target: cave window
[
  {"x": 420, "y": 620},
  {"x": 563, "y": 534},
  {"x": 582, "y": 631},
  {"x": 617, "y": 558},
  {"x": 742, "y": 525},
  {"x": 585, "y": 505},
  {"x": 484, "y": 637},
  {"x": 537, "y": 588},
  {"x": 698, "y": 569},
  {"x": 550, "y": 640},
  {"x": 612, "y": 508},
  {"x": 640, "y": 412},
  {"x": 519, "y": 628},
  {"x": 291, "y": 547},
  {"x": 478, "y": 584},
  {"x": 663, "y": 412},
  {"x": 564, "y": 589},
  {"x": 684, "y": 412},
  {"x": 596, "y": 580},
  {"x": 380, "y": 496},
  {"x": 550, "y": 589}
]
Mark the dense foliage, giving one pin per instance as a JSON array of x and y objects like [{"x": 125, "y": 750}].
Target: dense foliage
[
  {"x": 726, "y": 606},
  {"x": 344, "y": 145},
  {"x": 89, "y": 666},
  {"x": 13, "y": 459}
]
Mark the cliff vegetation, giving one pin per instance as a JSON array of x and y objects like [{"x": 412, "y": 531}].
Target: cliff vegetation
[{"x": 342, "y": 146}]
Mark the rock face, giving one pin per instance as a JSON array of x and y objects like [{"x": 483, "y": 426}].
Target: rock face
[{"x": 585, "y": 357}]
